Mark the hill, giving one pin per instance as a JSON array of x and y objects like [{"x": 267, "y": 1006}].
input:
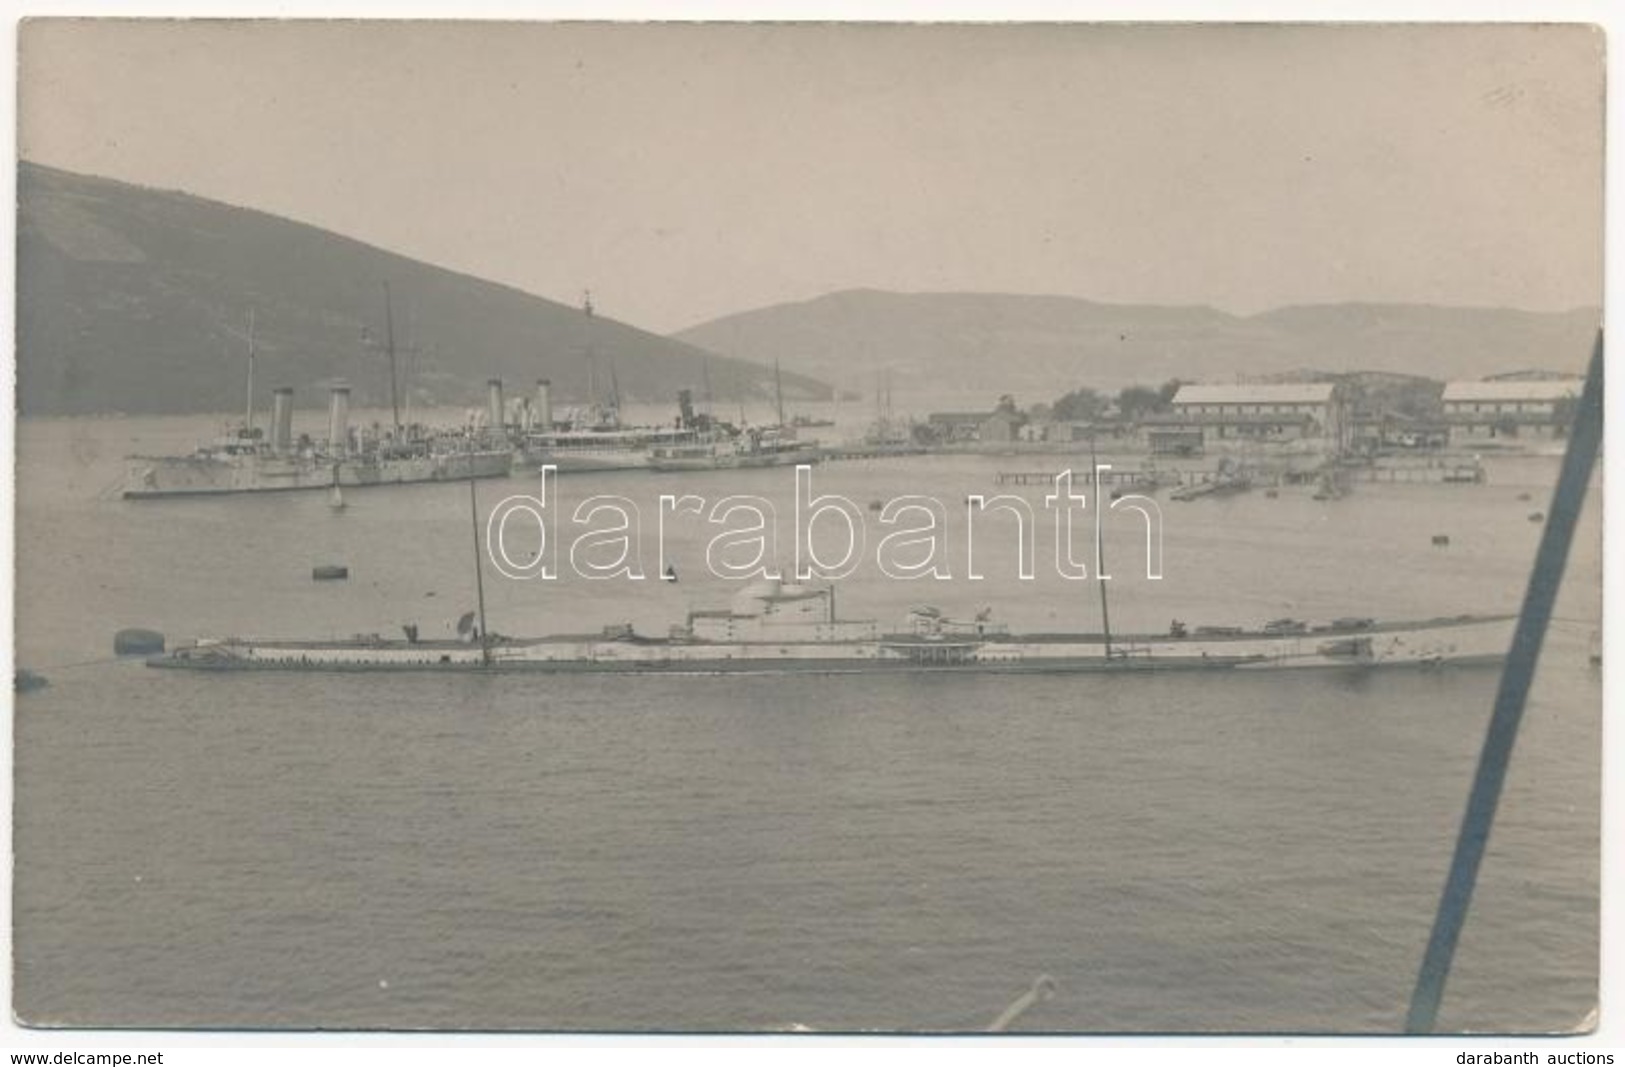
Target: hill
[
  {"x": 133, "y": 300},
  {"x": 1038, "y": 347}
]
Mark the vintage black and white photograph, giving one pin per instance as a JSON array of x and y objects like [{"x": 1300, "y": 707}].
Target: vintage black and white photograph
[{"x": 808, "y": 528}]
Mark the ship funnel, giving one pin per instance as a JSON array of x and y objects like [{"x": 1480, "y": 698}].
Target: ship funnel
[
  {"x": 497, "y": 414},
  {"x": 338, "y": 421},
  {"x": 544, "y": 405},
  {"x": 281, "y": 419}
]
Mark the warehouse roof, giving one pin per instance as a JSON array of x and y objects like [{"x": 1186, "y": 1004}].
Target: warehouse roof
[
  {"x": 1260, "y": 393},
  {"x": 1511, "y": 391}
]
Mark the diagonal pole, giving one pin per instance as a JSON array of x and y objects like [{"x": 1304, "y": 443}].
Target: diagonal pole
[{"x": 1585, "y": 437}]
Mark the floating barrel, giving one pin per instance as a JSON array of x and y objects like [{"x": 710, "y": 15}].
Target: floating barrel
[
  {"x": 330, "y": 572},
  {"x": 25, "y": 681},
  {"x": 137, "y": 642}
]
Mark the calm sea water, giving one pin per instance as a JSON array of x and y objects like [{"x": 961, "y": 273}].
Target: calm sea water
[{"x": 1217, "y": 853}]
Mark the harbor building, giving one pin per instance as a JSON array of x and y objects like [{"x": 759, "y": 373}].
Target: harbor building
[
  {"x": 1539, "y": 409},
  {"x": 1168, "y": 434},
  {"x": 1265, "y": 412},
  {"x": 1388, "y": 431},
  {"x": 953, "y": 427},
  {"x": 1001, "y": 426}
]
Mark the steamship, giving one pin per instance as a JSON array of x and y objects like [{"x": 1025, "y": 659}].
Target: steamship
[
  {"x": 730, "y": 449},
  {"x": 766, "y": 447},
  {"x": 588, "y": 439},
  {"x": 702, "y": 443},
  {"x": 773, "y": 627},
  {"x": 246, "y": 461}
]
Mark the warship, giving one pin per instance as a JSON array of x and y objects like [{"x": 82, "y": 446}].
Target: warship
[
  {"x": 777, "y": 627},
  {"x": 245, "y": 460}
]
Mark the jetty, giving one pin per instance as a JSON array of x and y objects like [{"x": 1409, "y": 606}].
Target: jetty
[
  {"x": 1136, "y": 478},
  {"x": 1204, "y": 481}
]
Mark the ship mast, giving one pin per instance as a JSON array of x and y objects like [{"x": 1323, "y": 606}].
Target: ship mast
[
  {"x": 411, "y": 349},
  {"x": 389, "y": 345},
  {"x": 479, "y": 577},
  {"x": 1100, "y": 548},
  {"x": 248, "y": 338},
  {"x": 248, "y": 418},
  {"x": 778, "y": 391},
  {"x": 592, "y": 362}
]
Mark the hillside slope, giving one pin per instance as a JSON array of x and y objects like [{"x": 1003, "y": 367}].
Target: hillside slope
[
  {"x": 133, "y": 300},
  {"x": 1040, "y": 346}
]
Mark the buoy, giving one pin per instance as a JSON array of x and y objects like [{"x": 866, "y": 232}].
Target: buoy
[
  {"x": 26, "y": 681},
  {"x": 329, "y": 572},
  {"x": 137, "y": 642}
]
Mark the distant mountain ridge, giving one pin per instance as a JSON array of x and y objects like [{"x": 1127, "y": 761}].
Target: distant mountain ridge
[
  {"x": 134, "y": 300},
  {"x": 1039, "y": 347}
]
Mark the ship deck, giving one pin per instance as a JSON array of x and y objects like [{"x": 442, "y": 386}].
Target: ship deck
[{"x": 1193, "y": 638}]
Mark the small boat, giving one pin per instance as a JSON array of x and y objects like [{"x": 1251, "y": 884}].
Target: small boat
[{"x": 330, "y": 572}]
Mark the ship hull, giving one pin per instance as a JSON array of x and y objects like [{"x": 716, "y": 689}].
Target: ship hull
[
  {"x": 1464, "y": 641},
  {"x": 161, "y": 477},
  {"x": 733, "y": 461},
  {"x": 565, "y": 461}
]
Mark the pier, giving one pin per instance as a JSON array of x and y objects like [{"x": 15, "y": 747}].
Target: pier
[
  {"x": 1112, "y": 477},
  {"x": 1459, "y": 472},
  {"x": 867, "y": 450}
]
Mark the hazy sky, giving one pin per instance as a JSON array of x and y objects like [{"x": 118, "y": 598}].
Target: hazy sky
[{"x": 684, "y": 172}]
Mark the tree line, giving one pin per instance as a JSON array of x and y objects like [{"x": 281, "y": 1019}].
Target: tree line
[{"x": 1086, "y": 404}]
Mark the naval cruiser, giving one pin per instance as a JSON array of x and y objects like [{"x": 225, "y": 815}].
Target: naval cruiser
[{"x": 246, "y": 461}]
